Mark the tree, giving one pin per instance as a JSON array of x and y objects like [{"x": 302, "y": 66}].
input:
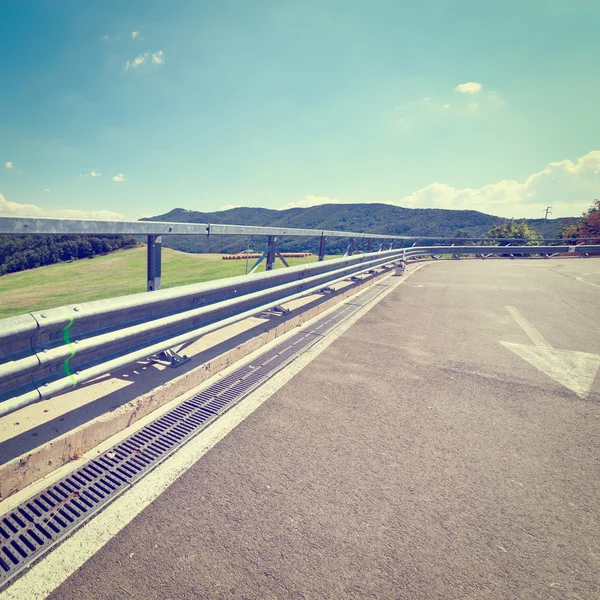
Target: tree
[
  {"x": 516, "y": 231},
  {"x": 32, "y": 259},
  {"x": 588, "y": 226},
  {"x": 106, "y": 245},
  {"x": 69, "y": 250},
  {"x": 96, "y": 243},
  {"x": 84, "y": 249},
  {"x": 16, "y": 262}
]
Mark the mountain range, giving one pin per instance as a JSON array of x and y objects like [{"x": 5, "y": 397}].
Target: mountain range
[{"x": 373, "y": 218}]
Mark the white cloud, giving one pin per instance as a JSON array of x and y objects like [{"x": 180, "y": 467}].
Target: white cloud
[
  {"x": 309, "y": 201},
  {"x": 47, "y": 190},
  {"x": 91, "y": 174},
  {"x": 446, "y": 106},
  {"x": 473, "y": 106},
  {"x": 14, "y": 209},
  {"x": 8, "y": 165},
  {"x": 119, "y": 177},
  {"x": 157, "y": 58},
  {"x": 140, "y": 59},
  {"x": 569, "y": 187},
  {"x": 469, "y": 88},
  {"x": 135, "y": 34}
]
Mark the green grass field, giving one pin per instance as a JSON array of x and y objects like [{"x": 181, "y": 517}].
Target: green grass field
[{"x": 117, "y": 274}]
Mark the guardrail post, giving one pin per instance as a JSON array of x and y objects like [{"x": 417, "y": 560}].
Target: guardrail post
[
  {"x": 153, "y": 262},
  {"x": 322, "y": 248},
  {"x": 272, "y": 252},
  {"x": 369, "y": 245}
]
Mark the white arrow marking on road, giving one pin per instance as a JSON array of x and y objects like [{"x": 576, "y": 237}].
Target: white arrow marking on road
[{"x": 574, "y": 370}]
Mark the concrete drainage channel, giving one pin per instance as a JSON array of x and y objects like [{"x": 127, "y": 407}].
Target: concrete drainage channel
[{"x": 45, "y": 519}]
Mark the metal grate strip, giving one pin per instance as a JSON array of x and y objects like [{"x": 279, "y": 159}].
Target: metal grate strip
[
  {"x": 46, "y": 518},
  {"x": 369, "y": 295}
]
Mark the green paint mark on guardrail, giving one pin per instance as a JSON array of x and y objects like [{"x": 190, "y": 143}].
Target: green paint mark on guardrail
[{"x": 67, "y": 341}]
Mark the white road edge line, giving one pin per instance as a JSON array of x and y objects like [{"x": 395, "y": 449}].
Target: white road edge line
[
  {"x": 52, "y": 570},
  {"x": 582, "y": 280}
]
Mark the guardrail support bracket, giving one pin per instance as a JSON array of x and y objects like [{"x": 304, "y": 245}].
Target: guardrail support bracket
[
  {"x": 278, "y": 311},
  {"x": 270, "y": 254},
  {"x": 280, "y": 257},
  {"x": 351, "y": 248},
  {"x": 170, "y": 358}
]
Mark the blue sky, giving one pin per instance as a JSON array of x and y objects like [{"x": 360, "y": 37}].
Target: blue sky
[{"x": 490, "y": 105}]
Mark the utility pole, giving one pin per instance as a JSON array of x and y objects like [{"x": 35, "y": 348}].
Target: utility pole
[{"x": 548, "y": 212}]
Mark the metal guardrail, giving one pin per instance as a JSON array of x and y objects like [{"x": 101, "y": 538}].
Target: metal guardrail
[
  {"x": 47, "y": 226},
  {"x": 50, "y": 226},
  {"x": 45, "y": 353},
  {"x": 48, "y": 352}
]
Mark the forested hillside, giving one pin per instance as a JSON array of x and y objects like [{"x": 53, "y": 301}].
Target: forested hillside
[
  {"x": 18, "y": 253},
  {"x": 376, "y": 218}
]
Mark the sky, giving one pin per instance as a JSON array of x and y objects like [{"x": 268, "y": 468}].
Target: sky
[{"x": 129, "y": 109}]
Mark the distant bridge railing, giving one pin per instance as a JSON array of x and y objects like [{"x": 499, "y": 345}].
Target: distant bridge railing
[{"x": 506, "y": 251}]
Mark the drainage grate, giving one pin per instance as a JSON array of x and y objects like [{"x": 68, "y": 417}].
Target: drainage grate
[
  {"x": 45, "y": 519},
  {"x": 328, "y": 323},
  {"x": 369, "y": 295}
]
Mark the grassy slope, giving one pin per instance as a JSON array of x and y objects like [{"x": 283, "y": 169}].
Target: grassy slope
[{"x": 116, "y": 274}]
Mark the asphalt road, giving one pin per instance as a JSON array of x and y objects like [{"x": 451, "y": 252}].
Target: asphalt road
[{"x": 417, "y": 457}]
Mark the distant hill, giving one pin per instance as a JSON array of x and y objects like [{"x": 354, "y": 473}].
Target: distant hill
[{"x": 375, "y": 218}]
